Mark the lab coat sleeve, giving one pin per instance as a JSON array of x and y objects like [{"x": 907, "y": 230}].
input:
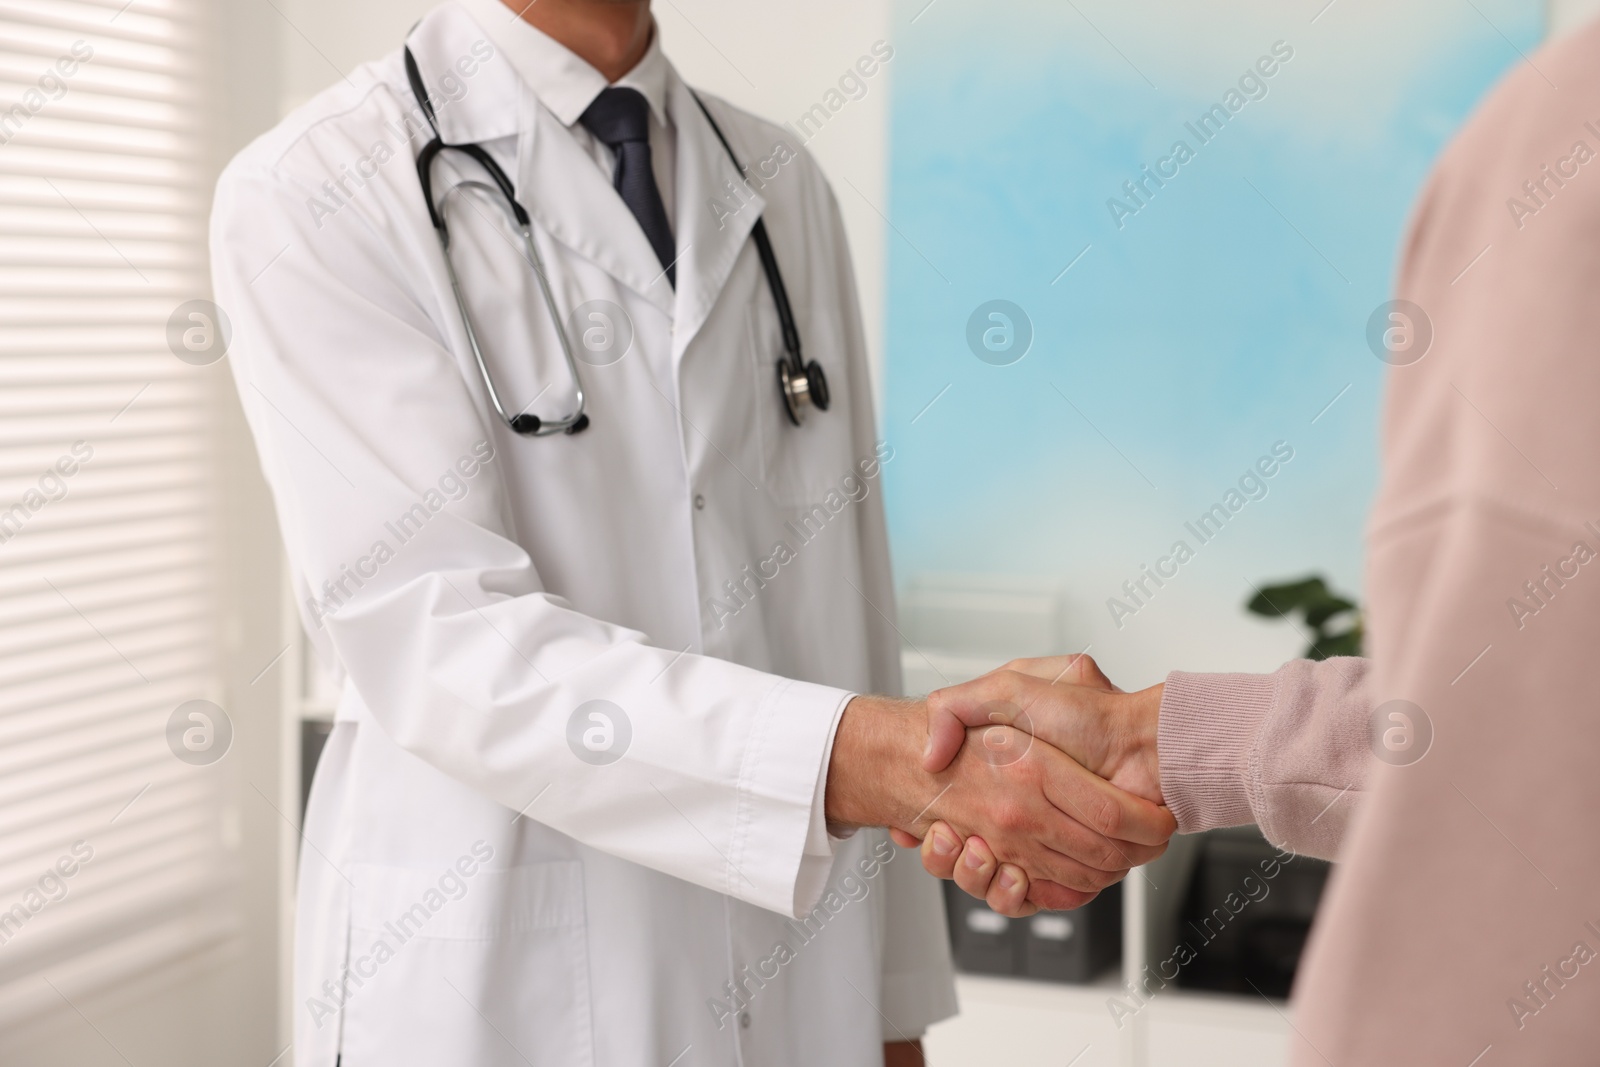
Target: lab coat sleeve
[
  {"x": 394, "y": 514},
  {"x": 918, "y": 976}
]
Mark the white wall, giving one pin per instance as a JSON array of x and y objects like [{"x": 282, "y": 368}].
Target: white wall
[
  {"x": 1565, "y": 15},
  {"x": 776, "y": 59}
]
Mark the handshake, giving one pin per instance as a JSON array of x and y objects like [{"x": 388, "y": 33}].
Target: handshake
[{"x": 1033, "y": 787}]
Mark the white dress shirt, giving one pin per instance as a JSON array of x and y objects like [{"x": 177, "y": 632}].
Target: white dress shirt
[{"x": 567, "y": 85}]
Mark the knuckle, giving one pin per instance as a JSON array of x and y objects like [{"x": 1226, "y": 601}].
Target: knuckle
[
  {"x": 1102, "y": 879},
  {"x": 1085, "y": 898},
  {"x": 976, "y": 852},
  {"x": 1011, "y": 677},
  {"x": 1011, "y": 816},
  {"x": 1081, "y": 880},
  {"x": 1011, "y": 909},
  {"x": 974, "y": 883},
  {"x": 1053, "y": 896},
  {"x": 1107, "y": 857},
  {"x": 1031, "y": 771},
  {"x": 1105, "y": 815},
  {"x": 1131, "y": 856}
]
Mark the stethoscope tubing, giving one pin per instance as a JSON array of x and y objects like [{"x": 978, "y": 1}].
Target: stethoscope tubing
[
  {"x": 799, "y": 384},
  {"x": 522, "y": 422}
]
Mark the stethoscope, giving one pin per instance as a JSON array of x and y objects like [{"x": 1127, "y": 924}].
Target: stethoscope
[{"x": 802, "y": 385}]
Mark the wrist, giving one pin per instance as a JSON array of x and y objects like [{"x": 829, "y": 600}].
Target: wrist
[
  {"x": 876, "y": 762},
  {"x": 1144, "y": 731}
]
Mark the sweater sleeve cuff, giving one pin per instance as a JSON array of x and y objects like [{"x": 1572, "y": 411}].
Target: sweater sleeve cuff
[{"x": 1208, "y": 726}]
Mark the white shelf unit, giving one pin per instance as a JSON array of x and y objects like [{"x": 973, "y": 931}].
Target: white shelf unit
[
  {"x": 957, "y": 627},
  {"x": 1024, "y": 1023}
]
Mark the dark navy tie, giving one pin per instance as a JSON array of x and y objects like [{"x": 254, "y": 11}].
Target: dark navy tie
[{"x": 620, "y": 119}]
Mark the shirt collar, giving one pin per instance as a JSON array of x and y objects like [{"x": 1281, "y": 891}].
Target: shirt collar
[
  {"x": 564, "y": 83},
  {"x": 649, "y": 76}
]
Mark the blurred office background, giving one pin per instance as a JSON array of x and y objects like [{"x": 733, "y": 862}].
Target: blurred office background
[{"x": 1147, "y": 357}]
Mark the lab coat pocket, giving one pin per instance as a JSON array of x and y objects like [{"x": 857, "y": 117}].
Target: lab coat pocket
[
  {"x": 490, "y": 969},
  {"x": 799, "y": 464}
]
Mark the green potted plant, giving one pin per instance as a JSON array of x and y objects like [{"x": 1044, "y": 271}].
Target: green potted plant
[{"x": 1333, "y": 621}]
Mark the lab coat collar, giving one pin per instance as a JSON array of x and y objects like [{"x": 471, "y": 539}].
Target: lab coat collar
[
  {"x": 569, "y": 197},
  {"x": 556, "y": 181},
  {"x": 716, "y": 210},
  {"x": 470, "y": 107}
]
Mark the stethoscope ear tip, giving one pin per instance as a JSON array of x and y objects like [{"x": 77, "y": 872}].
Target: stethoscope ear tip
[{"x": 533, "y": 426}]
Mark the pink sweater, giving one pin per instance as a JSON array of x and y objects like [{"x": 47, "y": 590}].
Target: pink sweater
[{"x": 1462, "y": 924}]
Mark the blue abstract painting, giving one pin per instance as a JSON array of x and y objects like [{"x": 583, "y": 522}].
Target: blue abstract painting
[{"x": 1134, "y": 247}]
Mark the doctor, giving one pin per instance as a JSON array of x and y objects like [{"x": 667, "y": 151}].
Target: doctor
[{"x": 601, "y": 582}]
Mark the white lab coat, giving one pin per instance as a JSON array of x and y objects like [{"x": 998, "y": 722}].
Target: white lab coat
[{"x": 474, "y": 589}]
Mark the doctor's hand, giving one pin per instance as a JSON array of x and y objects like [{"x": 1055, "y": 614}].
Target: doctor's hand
[
  {"x": 1031, "y": 805},
  {"x": 947, "y": 731}
]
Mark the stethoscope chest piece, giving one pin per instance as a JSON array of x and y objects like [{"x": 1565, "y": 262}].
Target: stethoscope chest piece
[{"x": 802, "y": 391}]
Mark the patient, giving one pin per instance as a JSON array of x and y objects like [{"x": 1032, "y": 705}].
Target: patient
[{"x": 1464, "y": 914}]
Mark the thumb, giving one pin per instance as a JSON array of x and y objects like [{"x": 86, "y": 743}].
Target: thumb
[
  {"x": 946, "y": 732},
  {"x": 951, "y": 711}
]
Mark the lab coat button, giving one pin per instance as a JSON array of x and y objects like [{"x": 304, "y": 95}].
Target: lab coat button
[
  {"x": 699, "y": 502},
  {"x": 744, "y": 1020}
]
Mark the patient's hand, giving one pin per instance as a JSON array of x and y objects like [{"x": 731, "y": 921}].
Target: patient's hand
[{"x": 1066, "y": 701}]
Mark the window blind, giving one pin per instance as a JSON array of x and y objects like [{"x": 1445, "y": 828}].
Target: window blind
[{"x": 107, "y": 613}]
